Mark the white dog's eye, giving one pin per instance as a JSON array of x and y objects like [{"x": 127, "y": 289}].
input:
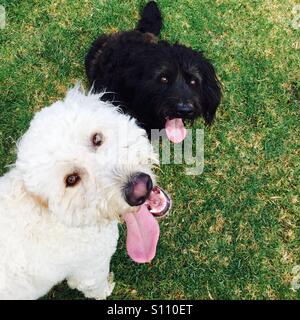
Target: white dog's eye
[
  {"x": 72, "y": 179},
  {"x": 97, "y": 139}
]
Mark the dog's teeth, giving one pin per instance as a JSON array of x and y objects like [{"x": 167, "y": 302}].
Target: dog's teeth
[{"x": 156, "y": 190}]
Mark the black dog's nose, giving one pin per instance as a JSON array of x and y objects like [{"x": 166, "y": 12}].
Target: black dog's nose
[
  {"x": 138, "y": 189},
  {"x": 184, "y": 109}
]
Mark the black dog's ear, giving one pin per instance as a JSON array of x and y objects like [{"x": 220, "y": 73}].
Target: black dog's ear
[{"x": 211, "y": 91}]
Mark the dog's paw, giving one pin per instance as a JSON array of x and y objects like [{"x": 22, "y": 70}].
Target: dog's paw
[
  {"x": 109, "y": 287},
  {"x": 111, "y": 283},
  {"x": 103, "y": 293},
  {"x": 72, "y": 283}
]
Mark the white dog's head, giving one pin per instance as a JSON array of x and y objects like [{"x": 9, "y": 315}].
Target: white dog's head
[{"x": 86, "y": 160}]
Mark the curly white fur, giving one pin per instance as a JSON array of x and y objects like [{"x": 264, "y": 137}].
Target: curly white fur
[{"x": 50, "y": 232}]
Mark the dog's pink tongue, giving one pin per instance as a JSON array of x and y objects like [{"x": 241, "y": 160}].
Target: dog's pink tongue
[
  {"x": 142, "y": 235},
  {"x": 175, "y": 130}
]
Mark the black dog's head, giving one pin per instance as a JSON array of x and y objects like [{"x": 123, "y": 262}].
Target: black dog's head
[{"x": 173, "y": 83}]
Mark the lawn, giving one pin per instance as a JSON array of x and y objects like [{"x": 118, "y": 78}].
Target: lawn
[{"x": 234, "y": 230}]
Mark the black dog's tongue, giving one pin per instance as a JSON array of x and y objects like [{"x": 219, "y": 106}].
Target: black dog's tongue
[{"x": 175, "y": 130}]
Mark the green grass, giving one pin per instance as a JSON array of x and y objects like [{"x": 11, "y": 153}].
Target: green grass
[{"x": 234, "y": 230}]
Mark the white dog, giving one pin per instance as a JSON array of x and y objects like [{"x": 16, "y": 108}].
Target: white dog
[{"x": 81, "y": 168}]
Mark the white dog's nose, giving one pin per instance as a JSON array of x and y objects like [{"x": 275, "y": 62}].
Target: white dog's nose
[{"x": 138, "y": 189}]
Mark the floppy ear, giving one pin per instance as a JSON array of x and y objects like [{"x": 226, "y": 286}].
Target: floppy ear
[{"x": 211, "y": 92}]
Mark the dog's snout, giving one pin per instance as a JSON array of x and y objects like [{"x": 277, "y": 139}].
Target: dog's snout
[
  {"x": 138, "y": 189},
  {"x": 184, "y": 109}
]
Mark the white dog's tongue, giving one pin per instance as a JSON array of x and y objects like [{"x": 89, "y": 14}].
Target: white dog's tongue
[
  {"x": 142, "y": 235},
  {"x": 175, "y": 130}
]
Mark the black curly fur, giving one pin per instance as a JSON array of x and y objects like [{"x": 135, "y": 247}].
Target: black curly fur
[{"x": 132, "y": 67}]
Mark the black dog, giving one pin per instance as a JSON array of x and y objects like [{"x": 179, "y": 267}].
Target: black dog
[{"x": 158, "y": 83}]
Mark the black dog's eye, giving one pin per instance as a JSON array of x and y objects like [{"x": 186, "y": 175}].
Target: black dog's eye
[
  {"x": 193, "y": 82},
  {"x": 72, "y": 179},
  {"x": 164, "y": 79},
  {"x": 97, "y": 139}
]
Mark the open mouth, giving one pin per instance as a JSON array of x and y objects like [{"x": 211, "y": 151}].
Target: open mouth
[
  {"x": 158, "y": 203},
  {"x": 143, "y": 228}
]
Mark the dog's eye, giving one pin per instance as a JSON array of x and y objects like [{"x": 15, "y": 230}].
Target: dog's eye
[
  {"x": 193, "y": 82},
  {"x": 97, "y": 139},
  {"x": 72, "y": 179},
  {"x": 164, "y": 79}
]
